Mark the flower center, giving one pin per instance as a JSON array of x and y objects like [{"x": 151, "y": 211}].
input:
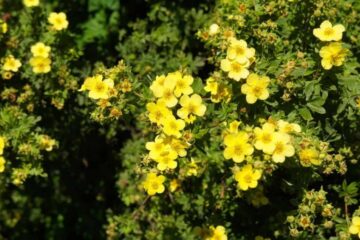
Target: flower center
[
  {"x": 266, "y": 138},
  {"x": 238, "y": 150},
  {"x": 100, "y": 87},
  {"x": 154, "y": 185},
  {"x": 158, "y": 146},
  {"x": 12, "y": 64},
  {"x": 181, "y": 84},
  {"x": 191, "y": 108},
  {"x": 173, "y": 126},
  {"x": 166, "y": 160},
  {"x": 328, "y": 31},
  {"x": 248, "y": 178},
  {"x": 240, "y": 51},
  {"x": 58, "y": 21},
  {"x": 167, "y": 94},
  {"x": 257, "y": 91},
  {"x": 236, "y": 67},
  {"x": 279, "y": 148}
]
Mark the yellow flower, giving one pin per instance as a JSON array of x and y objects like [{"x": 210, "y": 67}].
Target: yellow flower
[
  {"x": 183, "y": 85},
  {"x": 218, "y": 91},
  {"x": 166, "y": 160},
  {"x": 125, "y": 86},
  {"x": 233, "y": 126},
  {"x": 156, "y": 147},
  {"x": 332, "y": 55},
  {"x": 31, "y": 3},
  {"x": 58, "y": 21},
  {"x": 174, "y": 185},
  {"x": 192, "y": 168},
  {"x": 158, "y": 112},
  {"x": 154, "y": 184},
  {"x": 2, "y": 164},
  {"x": 283, "y": 148},
  {"x": 287, "y": 127},
  {"x": 88, "y": 84},
  {"x": 328, "y": 32},
  {"x": 158, "y": 85},
  {"x": 47, "y": 143},
  {"x": 3, "y": 27},
  {"x": 358, "y": 102},
  {"x": 236, "y": 69},
  {"x": 247, "y": 177},
  {"x": 211, "y": 86},
  {"x": 163, "y": 88},
  {"x": 255, "y": 88},
  {"x": 173, "y": 126},
  {"x": 309, "y": 156},
  {"x": 237, "y": 146},
  {"x": 40, "y": 64},
  {"x": 191, "y": 106},
  {"x": 265, "y": 138},
  {"x": 223, "y": 93},
  {"x": 2, "y": 145},
  {"x": 40, "y": 50},
  {"x": 217, "y": 233},
  {"x": 11, "y": 64},
  {"x": 7, "y": 75},
  {"x": 355, "y": 226},
  {"x": 100, "y": 89},
  {"x": 239, "y": 51},
  {"x": 177, "y": 145}
]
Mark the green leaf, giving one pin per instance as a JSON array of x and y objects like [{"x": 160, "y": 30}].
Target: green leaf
[
  {"x": 198, "y": 85},
  {"x": 316, "y": 108},
  {"x": 305, "y": 114}
]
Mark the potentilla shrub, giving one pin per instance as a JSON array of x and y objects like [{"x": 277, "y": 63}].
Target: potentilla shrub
[
  {"x": 35, "y": 80},
  {"x": 253, "y": 135},
  {"x": 264, "y": 146}
]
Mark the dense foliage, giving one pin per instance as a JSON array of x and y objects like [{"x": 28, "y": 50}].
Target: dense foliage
[{"x": 227, "y": 119}]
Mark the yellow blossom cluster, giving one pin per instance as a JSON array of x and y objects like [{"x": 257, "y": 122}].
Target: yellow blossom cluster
[
  {"x": 40, "y": 61},
  {"x": 237, "y": 147},
  {"x": 2, "y": 159},
  {"x": 334, "y": 53},
  {"x": 218, "y": 90},
  {"x": 273, "y": 138},
  {"x": 237, "y": 62},
  {"x": 276, "y": 143},
  {"x": 109, "y": 87},
  {"x": 238, "y": 59},
  {"x": 165, "y": 150},
  {"x": 97, "y": 87},
  {"x": 172, "y": 90}
]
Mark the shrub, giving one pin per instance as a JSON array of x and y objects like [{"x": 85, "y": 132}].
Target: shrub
[{"x": 210, "y": 120}]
